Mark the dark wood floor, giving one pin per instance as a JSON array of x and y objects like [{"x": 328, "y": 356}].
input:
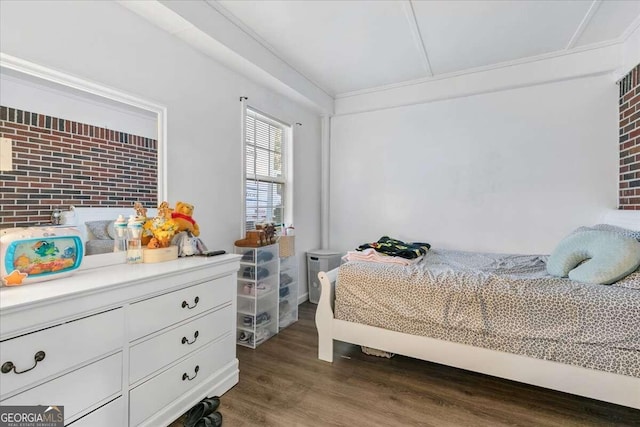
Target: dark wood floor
[{"x": 282, "y": 383}]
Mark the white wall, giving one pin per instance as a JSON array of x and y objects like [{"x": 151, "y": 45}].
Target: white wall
[
  {"x": 508, "y": 171},
  {"x": 108, "y": 44}
]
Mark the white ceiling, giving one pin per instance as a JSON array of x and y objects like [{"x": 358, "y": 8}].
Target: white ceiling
[{"x": 347, "y": 46}]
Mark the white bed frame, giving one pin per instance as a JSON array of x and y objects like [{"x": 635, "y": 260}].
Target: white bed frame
[{"x": 605, "y": 386}]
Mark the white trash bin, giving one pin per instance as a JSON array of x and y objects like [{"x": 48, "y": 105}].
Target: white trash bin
[{"x": 319, "y": 260}]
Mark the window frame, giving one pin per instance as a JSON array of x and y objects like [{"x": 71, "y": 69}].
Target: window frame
[{"x": 286, "y": 153}]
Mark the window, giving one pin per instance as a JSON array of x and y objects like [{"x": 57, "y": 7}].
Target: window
[{"x": 266, "y": 183}]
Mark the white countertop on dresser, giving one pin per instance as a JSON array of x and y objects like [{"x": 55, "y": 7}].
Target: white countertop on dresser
[{"x": 86, "y": 289}]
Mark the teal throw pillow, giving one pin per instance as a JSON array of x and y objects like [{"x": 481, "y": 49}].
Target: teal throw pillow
[{"x": 595, "y": 256}]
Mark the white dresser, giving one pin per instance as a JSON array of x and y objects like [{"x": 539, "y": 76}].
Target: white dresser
[{"x": 123, "y": 345}]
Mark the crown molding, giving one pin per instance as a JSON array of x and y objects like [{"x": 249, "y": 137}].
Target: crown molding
[
  {"x": 585, "y": 63},
  {"x": 482, "y": 69}
]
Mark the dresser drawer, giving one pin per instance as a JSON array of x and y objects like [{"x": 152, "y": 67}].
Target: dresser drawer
[
  {"x": 153, "y": 395},
  {"x": 78, "y": 390},
  {"x": 151, "y": 355},
  {"x": 159, "y": 312},
  {"x": 64, "y": 347},
  {"x": 109, "y": 415}
]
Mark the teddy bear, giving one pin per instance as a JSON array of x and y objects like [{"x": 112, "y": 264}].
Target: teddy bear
[
  {"x": 153, "y": 243},
  {"x": 182, "y": 215},
  {"x": 141, "y": 211}
]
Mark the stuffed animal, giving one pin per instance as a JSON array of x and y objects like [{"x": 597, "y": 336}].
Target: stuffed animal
[
  {"x": 182, "y": 215},
  {"x": 153, "y": 243},
  {"x": 164, "y": 211},
  {"x": 141, "y": 211},
  {"x": 188, "y": 244}
]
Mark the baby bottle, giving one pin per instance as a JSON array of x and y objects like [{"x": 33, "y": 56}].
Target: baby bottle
[
  {"x": 120, "y": 227},
  {"x": 134, "y": 243}
]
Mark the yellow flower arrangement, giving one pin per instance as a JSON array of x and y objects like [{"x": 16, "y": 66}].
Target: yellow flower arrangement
[{"x": 161, "y": 227}]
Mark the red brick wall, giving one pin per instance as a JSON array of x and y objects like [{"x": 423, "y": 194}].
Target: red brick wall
[
  {"x": 630, "y": 140},
  {"x": 58, "y": 162}
]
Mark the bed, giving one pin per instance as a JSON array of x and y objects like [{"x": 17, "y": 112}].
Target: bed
[{"x": 574, "y": 357}]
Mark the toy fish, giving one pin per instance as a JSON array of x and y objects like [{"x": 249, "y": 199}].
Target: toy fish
[
  {"x": 44, "y": 248},
  {"x": 68, "y": 252}
]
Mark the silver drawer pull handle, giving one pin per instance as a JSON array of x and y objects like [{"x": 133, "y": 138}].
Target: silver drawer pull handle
[
  {"x": 195, "y": 303},
  {"x": 187, "y": 377},
  {"x": 195, "y": 337},
  {"x": 9, "y": 366}
]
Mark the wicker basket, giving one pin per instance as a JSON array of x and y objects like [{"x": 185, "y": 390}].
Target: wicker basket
[
  {"x": 287, "y": 246},
  {"x": 160, "y": 254}
]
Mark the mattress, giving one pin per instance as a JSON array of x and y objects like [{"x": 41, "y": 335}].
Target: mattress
[{"x": 500, "y": 302}]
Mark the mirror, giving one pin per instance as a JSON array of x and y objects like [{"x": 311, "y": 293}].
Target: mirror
[{"x": 76, "y": 143}]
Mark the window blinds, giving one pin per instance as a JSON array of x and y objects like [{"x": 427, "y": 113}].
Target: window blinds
[{"x": 264, "y": 167}]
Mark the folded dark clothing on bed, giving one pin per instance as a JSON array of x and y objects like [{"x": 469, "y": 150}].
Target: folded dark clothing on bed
[{"x": 393, "y": 247}]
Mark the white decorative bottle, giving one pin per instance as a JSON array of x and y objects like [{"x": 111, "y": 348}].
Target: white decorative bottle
[
  {"x": 134, "y": 243},
  {"x": 120, "y": 242}
]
